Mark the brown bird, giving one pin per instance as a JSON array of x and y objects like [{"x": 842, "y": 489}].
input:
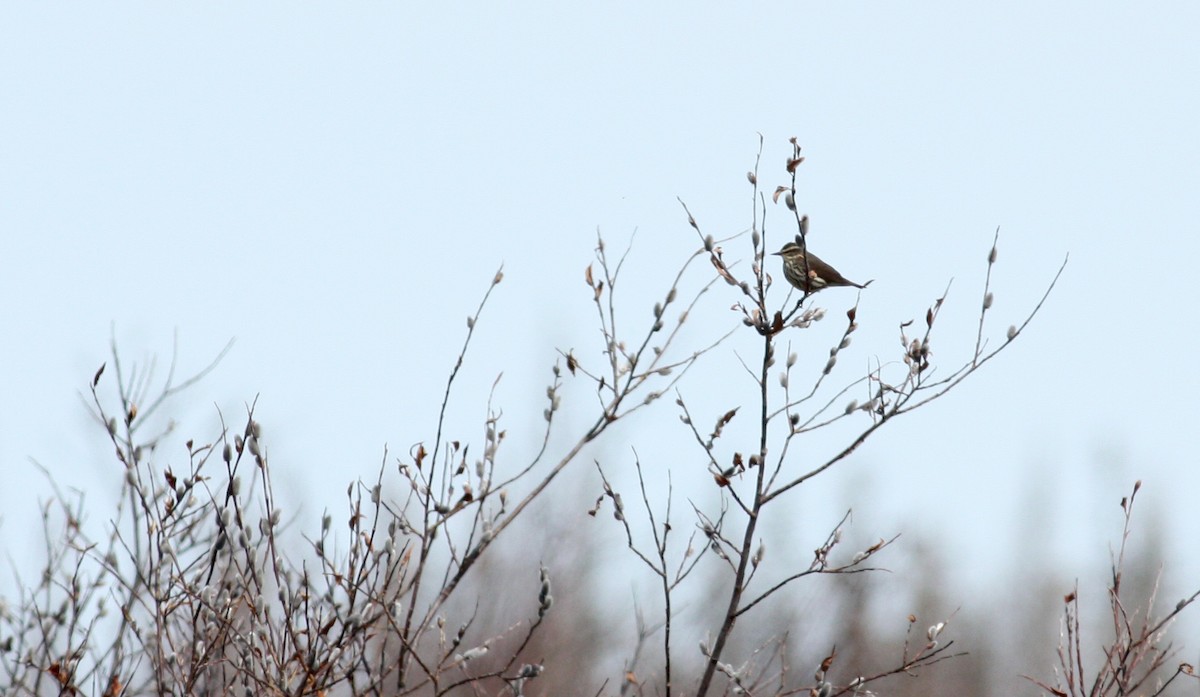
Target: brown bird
[{"x": 808, "y": 273}]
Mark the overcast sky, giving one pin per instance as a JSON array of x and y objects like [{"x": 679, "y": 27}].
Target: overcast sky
[{"x": 334, "y": 184}]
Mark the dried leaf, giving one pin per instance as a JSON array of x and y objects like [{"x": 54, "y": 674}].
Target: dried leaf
[
  {"x": 96, "y": 379},
  {"x": 588, "y": 276},
  {"x": 721, "y": 270},
  {"x": 571, "y": 362},
  {"x": 114, "y": 687},
  {"x": 793, "y": 164},
  {"x": 828, "y": 662}
]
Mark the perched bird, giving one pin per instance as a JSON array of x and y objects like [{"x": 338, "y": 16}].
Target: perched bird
[{"x": 808, "y": 273}]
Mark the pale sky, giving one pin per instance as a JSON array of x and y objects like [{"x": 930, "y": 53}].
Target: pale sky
[{"x": 335, "y": 184}]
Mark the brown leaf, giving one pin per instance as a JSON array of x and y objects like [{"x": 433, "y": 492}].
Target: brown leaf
[
  {"x": 721, "y": 270},
  {"x": 777, "y": 323},
  {"x": 792, "y": 164},
  {"x": 114, "y": 687},
  {"x": 571, "y": 362},
  {"x": 852, "y": 313},
  {"x": 828, "y": 662},
  {"x": 630, "y": 677},
  {"x": 778, "y": 190},
  {"x": 96, "y": 378},
  {"x": 588, "y": 276}
]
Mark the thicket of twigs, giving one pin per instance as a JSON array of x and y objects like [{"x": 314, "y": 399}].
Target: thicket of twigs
[{"x": 195, "y": 589}]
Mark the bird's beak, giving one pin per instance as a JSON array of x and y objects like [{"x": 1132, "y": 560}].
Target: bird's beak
[{"x": 775, "y": 254}]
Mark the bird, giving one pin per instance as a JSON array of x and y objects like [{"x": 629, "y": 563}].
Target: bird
[{"x": 807, "y": 272}]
